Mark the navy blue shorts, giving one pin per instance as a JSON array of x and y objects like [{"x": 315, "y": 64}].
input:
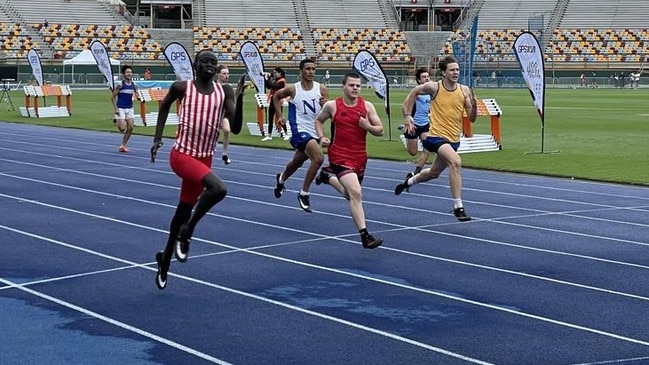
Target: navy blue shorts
[
  {"x": 300, "y": 140},
  {"x": 432, "y": 144},
  {"x": 419, "y": 129}
]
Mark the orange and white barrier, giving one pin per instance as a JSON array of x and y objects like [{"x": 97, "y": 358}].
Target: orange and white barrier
[
  {"x": 33, "y": 107},
  {"x": 470, "y": 142},
  {"x": 151, "y": 118}
]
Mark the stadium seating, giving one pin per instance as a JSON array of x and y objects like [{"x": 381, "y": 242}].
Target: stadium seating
[
  {"x": 121, "y": 41},
  {"x": 16, "y": 41},
  {"x": 332, "y": 30},
  {"x": 275, "y": 44},
  {"x": 611, "y": 31},
  {"x": 565, "y": 45},
  {"x": 284, "y": 44},
  {"x": 341, "y": 44}
]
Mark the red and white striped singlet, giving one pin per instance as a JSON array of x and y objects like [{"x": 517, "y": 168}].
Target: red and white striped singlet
[{"x": 200, "y": 121}]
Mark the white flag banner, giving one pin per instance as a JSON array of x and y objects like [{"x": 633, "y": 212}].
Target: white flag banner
[
  {"x": 103, "y": 62},
  {"x": 366, "y": 64},
  {"x": 369, "y": 67},
  {"x": 180, "y": 61},
  {"x": 35, "y": 62},
  {"x": 530, "y": 57},
  {"x": 254, "y": 64}
]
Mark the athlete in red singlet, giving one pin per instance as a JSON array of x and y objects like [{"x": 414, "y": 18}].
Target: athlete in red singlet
[
  {"x": 351, "y": 118},
  {"x": 204, "y": 105}
]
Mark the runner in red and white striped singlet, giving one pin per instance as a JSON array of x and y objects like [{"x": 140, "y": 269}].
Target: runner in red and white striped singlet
[
  {"x": 204, "y": 105},
  {"x": 200, "y": 121}
]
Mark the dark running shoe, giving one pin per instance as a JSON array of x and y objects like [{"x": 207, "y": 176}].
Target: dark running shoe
[
  {"x": 226, "y": 159},
  {"x": 404, "y": 185},
  {"x": 304, "y": 202},
  {"x": 182, "y": 244},
  {"x": 370, "y": 241},
  {"x": 460, "y": 214},
  {"x": 322, "y": 178},
  {"x": 279, "y": 188},
  {"x": 161, "y": 275}
]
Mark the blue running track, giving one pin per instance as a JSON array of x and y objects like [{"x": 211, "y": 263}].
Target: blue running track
[{"x": 549, "y": 271}]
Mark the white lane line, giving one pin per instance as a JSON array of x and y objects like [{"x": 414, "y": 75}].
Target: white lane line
[{"x": 194, "y": 352}]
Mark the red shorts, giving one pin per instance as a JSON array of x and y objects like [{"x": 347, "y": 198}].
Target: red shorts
[{"x": 191, "y": 170}]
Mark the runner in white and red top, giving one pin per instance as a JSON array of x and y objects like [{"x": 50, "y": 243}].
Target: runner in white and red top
[{"x": 204, "y": 104}]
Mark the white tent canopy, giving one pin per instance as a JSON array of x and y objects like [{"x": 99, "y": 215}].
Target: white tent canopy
[{"x": 86, "y": 58}]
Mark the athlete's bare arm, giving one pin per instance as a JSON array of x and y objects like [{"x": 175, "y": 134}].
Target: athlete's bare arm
[
  {"x": 176, "y": 92},
  {"x": 327, "y": 112},
  {"x": 470, "y": 103},
  {"x": 372, "y": 122},
  {"x": 430, "y": 88},
  {"x": 281, "y": 94},
  {"x": 324, "y": 94}
]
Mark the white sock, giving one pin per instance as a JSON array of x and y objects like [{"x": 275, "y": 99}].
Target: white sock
[
  {"x": 303, "y": 193},
  {"x": 280, "y": 178},
  {"x": 412, "y": 181},
  {"x": 457, "y": 203}
]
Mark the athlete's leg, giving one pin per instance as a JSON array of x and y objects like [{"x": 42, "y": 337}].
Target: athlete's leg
[
  {"x": 225, "y": 129},
  {"x": 127, "y": 134},
  {"x": 293, "y": 165},
  {"x": 214, "y": 192},
  {"x": 335, "y": 183},
  {"x": 182, "y": 214},
  {"x": 163, "y": 258},
  {"x": 421, "y": 162},
  {"x": 314, "y": 154},
  {"x": 271, "y": 118},
  {"x": 352, "y": 187},
  {"x": 120, "y": 118},
  {"x": 412, "y": 146},
  {"x": 352, "y": 184},
  {"x": 454, "y": 163}
]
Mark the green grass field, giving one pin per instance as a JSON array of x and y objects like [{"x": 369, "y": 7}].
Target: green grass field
[{"x": 600, "y": 134}]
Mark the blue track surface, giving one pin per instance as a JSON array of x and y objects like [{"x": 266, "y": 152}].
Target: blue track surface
[{"x": 549, "y": 271}]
